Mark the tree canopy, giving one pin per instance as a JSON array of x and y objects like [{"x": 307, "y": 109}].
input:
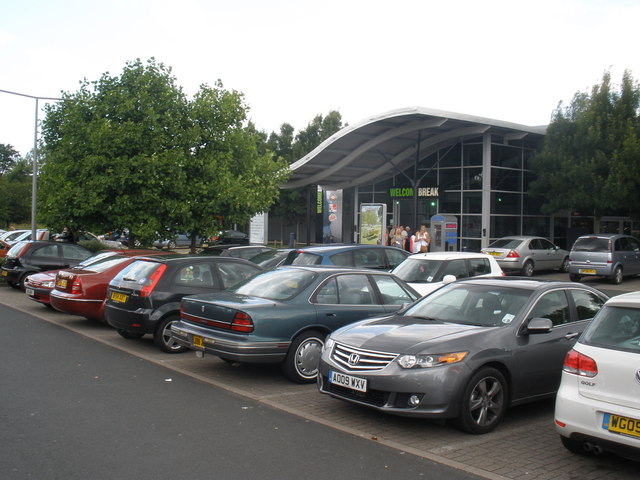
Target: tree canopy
[
  {"x": 590, "y": 157},
  {"x": 131, "y": 151}
]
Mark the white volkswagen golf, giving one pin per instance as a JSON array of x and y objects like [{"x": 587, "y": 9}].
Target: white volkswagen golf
[{"x": 598, "y": 404}]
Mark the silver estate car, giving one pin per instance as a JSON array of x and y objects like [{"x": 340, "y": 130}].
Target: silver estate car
[
  {"x": 608, "y": 255},
  {"x": 526, "y": 254}
]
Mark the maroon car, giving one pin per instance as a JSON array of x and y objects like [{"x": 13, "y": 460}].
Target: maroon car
[{"x": 82, "y": 291}]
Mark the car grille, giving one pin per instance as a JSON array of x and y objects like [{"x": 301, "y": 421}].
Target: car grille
[{"x": 358, "y": 360}]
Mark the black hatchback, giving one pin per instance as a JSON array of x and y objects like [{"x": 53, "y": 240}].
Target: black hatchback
[
  {"x": 145, "y": 296},
  {"x": 28, "y": 257}
]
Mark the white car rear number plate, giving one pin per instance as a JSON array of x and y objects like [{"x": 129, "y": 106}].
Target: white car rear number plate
[{"x": 344, "y": 380}]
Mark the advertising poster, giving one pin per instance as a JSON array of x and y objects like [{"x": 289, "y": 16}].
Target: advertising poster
[
  {"x": 332, "y": 216},
  {"x": 373, "y": 223}
]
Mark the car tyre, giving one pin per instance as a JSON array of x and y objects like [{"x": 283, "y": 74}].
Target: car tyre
[
  {"x": 616, "y": 278},
  {"x": 484, "y": 402},
  {"x": 301, "y": 362},
  {"x": 171, "y": 245},
  {"x": 574, "y": 278},
  {"x": 162, "y": 336},
  {"x": 527, "y": 269},
  {"x": 129, "y": 335},
  {"x": 22, "y": 283},
  {"x": 564, "y": 267}
]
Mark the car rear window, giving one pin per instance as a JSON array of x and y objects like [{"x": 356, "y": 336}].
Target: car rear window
[
  {"x": 591, "y": 244},
  {"x": 305, "y": 258},
  {"x": 617, "y": 328},
  {"x": 105, "y": 264},
  {"x": 138, "y": 272},
  {"x": 17, "y": 249},
  {"x": 506, "y": 243},
  {"x": 276, "y": 284}
]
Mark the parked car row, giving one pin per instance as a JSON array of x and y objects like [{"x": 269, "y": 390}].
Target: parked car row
[{"x": 475, "y": 344}]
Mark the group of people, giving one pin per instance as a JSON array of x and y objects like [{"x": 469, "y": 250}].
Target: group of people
[{"x": 402, "y": 237}]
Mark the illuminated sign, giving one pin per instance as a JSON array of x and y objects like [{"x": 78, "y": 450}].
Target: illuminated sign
[{"x": 408, "y": 192}]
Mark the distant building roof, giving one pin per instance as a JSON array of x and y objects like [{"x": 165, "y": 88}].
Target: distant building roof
[{"x": 381, "y": 146}]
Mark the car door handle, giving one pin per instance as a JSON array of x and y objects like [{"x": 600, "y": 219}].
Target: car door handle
[
  {"x": 331, "y": 314},
  {"x": 569, "y": 336}
]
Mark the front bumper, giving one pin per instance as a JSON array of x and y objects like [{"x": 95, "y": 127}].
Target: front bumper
[
  {"x": 392, "y": 388},
  {"x": 39, "y": 294},
  {"x": 230, "y": 346}
]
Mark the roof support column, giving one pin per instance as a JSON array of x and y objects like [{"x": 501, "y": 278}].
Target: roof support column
[{"x": 486, "y": 190}]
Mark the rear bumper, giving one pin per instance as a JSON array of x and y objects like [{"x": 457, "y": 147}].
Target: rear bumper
[
  {"x": 90, "y": 308},
  {"x": 234, "y": 347},
  {"x": 138, "y": 321}
]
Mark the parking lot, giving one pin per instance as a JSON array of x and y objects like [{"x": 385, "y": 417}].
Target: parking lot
[{"x": 524, "y": 446}]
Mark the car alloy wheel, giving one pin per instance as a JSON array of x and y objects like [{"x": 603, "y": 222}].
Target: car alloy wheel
[
  {"x": 527, "y": 269},
  {"x": 301, "y": 363},
  {"x": 484, "y": 402},
  {"x": 162, "y": 336},
  {"x": 616, "y": 278}
]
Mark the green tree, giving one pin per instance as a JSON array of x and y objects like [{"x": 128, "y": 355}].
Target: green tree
[
  {"x": 8, "y": 157},
  {"x": 231, "y": 175},
  {"x": 590, "y": 157},
  {"x": 292, "y": 203},
  {"x": 114, "y": 153},
  {"x": 15, "y": 185}
]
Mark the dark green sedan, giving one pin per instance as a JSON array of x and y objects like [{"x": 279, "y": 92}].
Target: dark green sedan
[{"x": 283, "y": 315}]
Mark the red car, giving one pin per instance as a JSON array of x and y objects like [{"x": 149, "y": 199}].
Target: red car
[
  {"x": 82, "y": 291},
  {"x": 38, "y": 286}
]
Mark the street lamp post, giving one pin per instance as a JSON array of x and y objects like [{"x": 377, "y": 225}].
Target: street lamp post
[{"x": 34, "y": 180}]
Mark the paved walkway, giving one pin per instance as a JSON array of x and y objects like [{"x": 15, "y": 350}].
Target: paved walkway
[{"x": 525, "y": 446}]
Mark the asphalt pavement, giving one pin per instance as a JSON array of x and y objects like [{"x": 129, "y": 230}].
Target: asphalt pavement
[
  {"x": 525, "y": 446},
  {"x": 73, "y": 408}
]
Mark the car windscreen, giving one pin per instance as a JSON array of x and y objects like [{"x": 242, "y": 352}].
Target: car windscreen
[
  {"x": 591, "y": 244},
  {"x": 506, "y": 243},
  {"x": 418, "y": 270},
  {"x": 472, "y": 304},
  {"x": 617, "y": 328},
  {"x": 265, "y": 258},
  {"x": 276, "y": 284}
]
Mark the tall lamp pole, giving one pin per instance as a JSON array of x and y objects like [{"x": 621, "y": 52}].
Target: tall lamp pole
[{"x": 34, "y": 180}]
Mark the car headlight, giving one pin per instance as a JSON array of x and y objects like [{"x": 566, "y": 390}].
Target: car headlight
[
  {"x": 49, "y": 284},
  {"x": 428, "y": 361}
]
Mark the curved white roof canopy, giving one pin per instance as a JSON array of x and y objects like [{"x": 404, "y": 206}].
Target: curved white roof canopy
[{"x": 384, "y": 145}]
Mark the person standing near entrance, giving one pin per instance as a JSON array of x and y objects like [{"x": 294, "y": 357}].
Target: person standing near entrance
[
  {"x": 408, "y": 239},
  {"x": 398, "y": 238},
  {"x": 423, "y": 240}
]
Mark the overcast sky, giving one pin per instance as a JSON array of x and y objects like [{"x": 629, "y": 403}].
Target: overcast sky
[{"x": 510, "y": 60}]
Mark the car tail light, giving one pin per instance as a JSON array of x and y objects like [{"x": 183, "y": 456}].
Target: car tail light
[
  {"x": 579, "y": 364},
  {"x": 153, "y": 280},
  {"x": 513, "y": 254},
  {"x": 76, "y": 286},
  {"x": 242, "y": 323}
]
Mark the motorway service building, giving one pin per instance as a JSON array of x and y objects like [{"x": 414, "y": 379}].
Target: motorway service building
[{"x": 467, "y": 178}]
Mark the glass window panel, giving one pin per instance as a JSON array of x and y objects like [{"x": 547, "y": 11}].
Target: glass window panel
[
  {"x": 472, "y": 155},
  {"x": 450, "y": 157},
  {"x": 506, "y": 156},
  {"x": 509, "y": 180},
  {"x": 535, "y": 226},
  {"x": 354, "y": 290},
  {"x": 471, "y": 226},
  {"x": 450, "y": 178},
  {"x": 472, "y": 178},
  {"x": 450, "y": 202},
  {"x": 505, "y": 203},
  {"x": 472, "y": 202},
  {"x": 504, "y": 226}
]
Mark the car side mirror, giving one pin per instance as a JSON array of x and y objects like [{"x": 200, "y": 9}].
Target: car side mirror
[
  {"x": 539, "y": 325},
  {"x": 449, "y": 279}
]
